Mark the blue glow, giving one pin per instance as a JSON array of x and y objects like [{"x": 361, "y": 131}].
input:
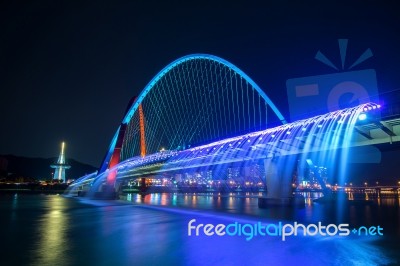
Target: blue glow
[
  {"x": 164, "y": 72},
  {"x": 160, "y": 74},
  {"x": 362, "y": 117},
  {"x": 277, "y": 143}
]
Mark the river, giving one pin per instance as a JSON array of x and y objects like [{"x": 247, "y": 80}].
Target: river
[{"x": 153, "y": 230}]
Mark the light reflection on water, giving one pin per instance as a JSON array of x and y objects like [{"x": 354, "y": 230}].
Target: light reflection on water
[
  {"x": 52, "y": 230},
  {"x": 52, "y": 242},
  {"x": 248, "y": 205}
]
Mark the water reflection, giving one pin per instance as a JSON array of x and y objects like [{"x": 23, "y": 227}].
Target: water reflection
[
  {"x": 14, "y": 208},
  {"x": 357, "y": 214},
  {"x": 52, "y": 230},
  {"x": 52, "y": 243}
]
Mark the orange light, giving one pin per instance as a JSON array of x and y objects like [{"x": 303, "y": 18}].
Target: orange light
[{"x": 142, "y": 132}]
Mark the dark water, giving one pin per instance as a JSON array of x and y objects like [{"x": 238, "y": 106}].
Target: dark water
[{"x": 152, "y": 230}]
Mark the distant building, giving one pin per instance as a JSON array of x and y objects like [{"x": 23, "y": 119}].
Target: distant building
[{"x": 60, "y": 166}]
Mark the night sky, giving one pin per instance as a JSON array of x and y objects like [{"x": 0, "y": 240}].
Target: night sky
[{"x": 69, "y": 68}]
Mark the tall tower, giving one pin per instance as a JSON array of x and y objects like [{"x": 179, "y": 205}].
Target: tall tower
[{"x": 60, "y": 166}]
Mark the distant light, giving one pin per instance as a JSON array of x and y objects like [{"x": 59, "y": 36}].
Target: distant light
[
  {"x": 288, "y": 132},
  {"x": 272, "y": 136},
  {"x": 379, "y": 106},
  {"x": 362, "y": 117},
  {"x": 319, "y": 126},
  {"x": 248, "y": 140},
  {"x": 340, "y": 121},
  {"x": 304, "y": 129},
  {"x": 374, "y": 107},
  {"x": 369, "y": 108}
]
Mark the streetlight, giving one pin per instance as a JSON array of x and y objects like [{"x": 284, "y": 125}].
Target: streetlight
[{"x": 366, "y": 184}]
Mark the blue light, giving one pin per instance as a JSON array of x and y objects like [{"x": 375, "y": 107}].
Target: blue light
[
  {"x": 183, "y": 59},
  {"x": 362, "y": 117}
]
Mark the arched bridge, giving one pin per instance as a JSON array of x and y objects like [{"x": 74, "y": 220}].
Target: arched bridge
[
  {"x": 193, "y": 100},
  {"x": 203, "y": 120}
]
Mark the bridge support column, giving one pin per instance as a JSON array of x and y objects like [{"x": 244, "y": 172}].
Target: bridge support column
[
  {"x": 143, "y": 185},
  {"x": 279, "y": 176},
  {"x": 279, "y": 182}
]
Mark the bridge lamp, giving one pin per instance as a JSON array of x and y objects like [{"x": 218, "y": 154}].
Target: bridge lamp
[{"x": 362, "y": 117}]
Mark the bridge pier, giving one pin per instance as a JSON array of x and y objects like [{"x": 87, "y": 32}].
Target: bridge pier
[
  {"x": 143, "y": 187},
  {"x": 279, "y": 177},
  {"x": 107, "y": 191}
]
